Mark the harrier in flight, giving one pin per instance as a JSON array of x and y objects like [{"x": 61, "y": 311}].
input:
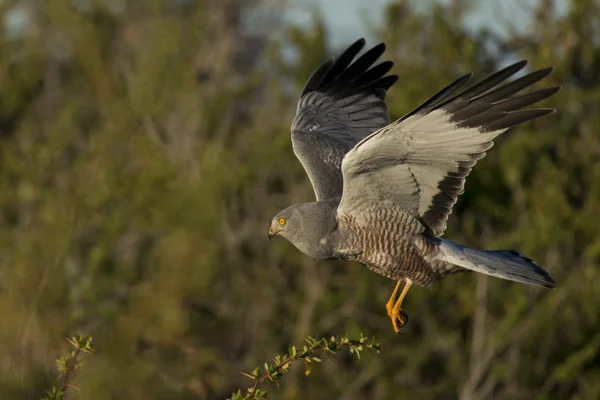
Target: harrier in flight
[{"x": 384, "y": 191}]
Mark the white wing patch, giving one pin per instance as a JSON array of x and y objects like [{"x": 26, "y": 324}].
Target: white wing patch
[{"x": 420, "y": 162}]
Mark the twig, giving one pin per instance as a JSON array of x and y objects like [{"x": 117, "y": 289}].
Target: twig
[
  {"x": 69, "y": 365},
  {"x": 281, "y": 364}
]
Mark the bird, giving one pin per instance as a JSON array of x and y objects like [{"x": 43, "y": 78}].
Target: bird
[{"x": 384, "y": 190}]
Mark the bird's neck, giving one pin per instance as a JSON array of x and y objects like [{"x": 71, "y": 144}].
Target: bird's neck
[
  {"x": 318, "y": 251},
  {"x": 320, "y": 226}
]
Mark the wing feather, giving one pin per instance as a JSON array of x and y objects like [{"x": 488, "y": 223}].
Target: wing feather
[
  {"x": 421, "y": 161},
  {"x": 342, "y": 102}
]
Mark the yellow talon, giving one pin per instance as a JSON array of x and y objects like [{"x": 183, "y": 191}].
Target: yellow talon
[
  {"x": 390, "y": 304},
  {"x": 396, "y": 314},
  {"x": 399, "y": 318}
]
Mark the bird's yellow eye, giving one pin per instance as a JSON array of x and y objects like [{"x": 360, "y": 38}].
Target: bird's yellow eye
[{"x": 281, "y": 221}]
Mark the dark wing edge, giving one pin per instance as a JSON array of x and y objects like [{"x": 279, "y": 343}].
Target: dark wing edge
[
  {"x": 420, "y": 162},
  {"x": 487, "y": 108},
  {"x": 341, "y": 103}
]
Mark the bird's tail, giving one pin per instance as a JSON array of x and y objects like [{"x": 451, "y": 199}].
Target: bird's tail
[{"x": 505, "y": 264}]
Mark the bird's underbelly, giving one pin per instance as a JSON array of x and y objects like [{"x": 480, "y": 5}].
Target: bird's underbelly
[
  {"x": 405, "y": 263},
  {"x": 391, "y": 254}
]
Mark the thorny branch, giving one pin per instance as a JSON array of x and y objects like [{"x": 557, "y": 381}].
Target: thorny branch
[
  {"x": 69, "y": 365},
  {"x": 281, "y": 364}
]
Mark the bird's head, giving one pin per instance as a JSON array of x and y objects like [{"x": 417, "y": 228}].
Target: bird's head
[
  {"x": 306, "y": 226},
  {"x": 285, "y": 224}
]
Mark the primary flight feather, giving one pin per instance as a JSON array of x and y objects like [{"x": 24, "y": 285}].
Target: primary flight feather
[{"x": 384, "y": 191}]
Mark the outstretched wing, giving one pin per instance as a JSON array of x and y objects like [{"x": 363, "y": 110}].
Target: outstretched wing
[
  {"x": 420, "y": 162},
  {"x": 340, "y": 105}
]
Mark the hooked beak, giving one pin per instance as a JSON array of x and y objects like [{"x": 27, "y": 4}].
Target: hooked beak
[{"x": 272, "y": 232}]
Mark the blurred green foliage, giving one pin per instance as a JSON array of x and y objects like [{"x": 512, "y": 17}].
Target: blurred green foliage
[{"x": 145, "y": 148}]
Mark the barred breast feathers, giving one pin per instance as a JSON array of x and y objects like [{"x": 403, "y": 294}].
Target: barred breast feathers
[{"x": 387, "y": 238}]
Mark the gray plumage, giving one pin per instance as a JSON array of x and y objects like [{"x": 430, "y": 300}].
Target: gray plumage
[
  {"x": 384, "y": 191},
  {"x": 340, "y": 105}
]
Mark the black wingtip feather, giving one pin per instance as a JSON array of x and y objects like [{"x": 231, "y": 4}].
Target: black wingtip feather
[
  {"x": 385, "y": 83},
  {"x": 493, "y": 80},
  {"x": 374, "y": 73},
  {"x": 317, "y": 77},
  {"x": 489, "y": 107},
  {"x": 513, "y": 118},
  {"x": 515, "y": 86},
  {"x": 440, "y": 97},
  {"x": 344, "y": 60},
  {"x": 358, "y": 67},
  {"x": 347, "y": 75},
  {"x": 525, "y": 100},
  {"x": 484, "y": 85},
  {"x": 361, "y": 42}
]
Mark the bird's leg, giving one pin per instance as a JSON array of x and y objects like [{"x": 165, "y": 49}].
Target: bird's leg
[
  {"x": 390, "y": 304},
  {"x": 397, "y": 314}
]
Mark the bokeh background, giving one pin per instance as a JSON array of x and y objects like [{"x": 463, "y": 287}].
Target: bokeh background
[{"x": 144, "y": 148}]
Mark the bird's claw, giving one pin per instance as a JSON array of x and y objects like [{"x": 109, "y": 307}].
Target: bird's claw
[{"x": 399, "y": 319}]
